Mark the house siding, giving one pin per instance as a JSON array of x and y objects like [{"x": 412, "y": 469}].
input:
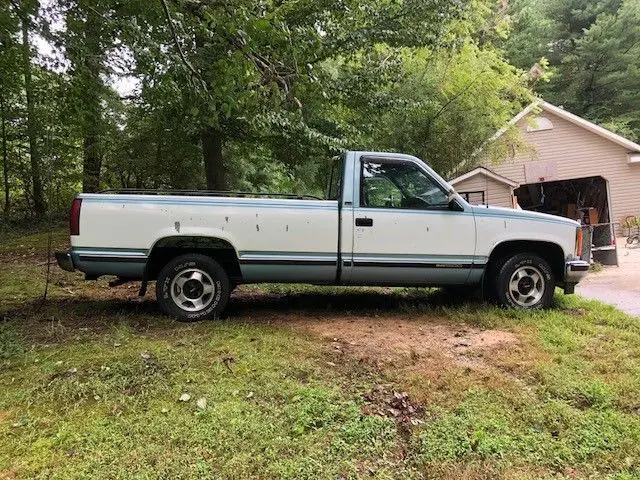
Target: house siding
[
  {"x": 579, "y": 153},
  {"x": 495, "y": 193}
]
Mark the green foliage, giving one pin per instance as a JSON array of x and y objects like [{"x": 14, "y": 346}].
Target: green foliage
[
  {"x": 10, "y": 343},
  {"x": 273, "y": 89},
  {"x": 593, "y": 50},
  {"x": 93, "y": 385},
  {"x": 449, "y": 104},
  {"x": 259, "y": 94}
]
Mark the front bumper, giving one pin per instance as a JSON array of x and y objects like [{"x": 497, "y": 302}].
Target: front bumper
[
  {"x": 65, "y": 261},
  {"x": 575, "y": 270}
]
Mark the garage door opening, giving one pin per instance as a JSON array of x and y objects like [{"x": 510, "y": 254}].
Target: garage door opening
[{"x": 582, "y": 199}]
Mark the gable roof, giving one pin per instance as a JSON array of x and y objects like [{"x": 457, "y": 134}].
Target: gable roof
[
  {"x": 570, "y": 117},
  {"x": 487, "y": 173},
  {"x": 560, "y": 112}
]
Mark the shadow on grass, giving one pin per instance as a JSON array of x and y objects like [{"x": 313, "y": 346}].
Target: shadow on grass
[
  {"x": 60, "y": 318},
  {"x": 344, "y": 301}
]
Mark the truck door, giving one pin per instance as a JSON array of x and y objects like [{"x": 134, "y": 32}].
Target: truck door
[{"x": 405, "y": 231}]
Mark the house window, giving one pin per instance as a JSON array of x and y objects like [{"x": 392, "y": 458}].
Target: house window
[
  {"x": 539, "y": 124},
  {"x": 474, "y": 198}
]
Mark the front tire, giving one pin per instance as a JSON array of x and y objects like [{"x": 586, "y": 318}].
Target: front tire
[
  {"x": 525, "y": 281},
  {"x": 192, "y": 287}
]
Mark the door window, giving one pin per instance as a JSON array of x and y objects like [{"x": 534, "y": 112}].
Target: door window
[{"x": 399, "y": 185}]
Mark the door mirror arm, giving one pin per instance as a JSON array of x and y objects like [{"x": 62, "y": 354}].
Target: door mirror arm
[
  {"x": 455, "y": 206},
  {"x": 453, "y": 203}
]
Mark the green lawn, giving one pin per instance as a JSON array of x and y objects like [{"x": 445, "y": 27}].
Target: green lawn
[{"x": 90, "y": 384}]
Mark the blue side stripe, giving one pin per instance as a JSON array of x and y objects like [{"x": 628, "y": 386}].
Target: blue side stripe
[
  {"x": 124, "y": 251},
  {"x": 522, "y": 217},
  {"x": 386, "y": 257}
]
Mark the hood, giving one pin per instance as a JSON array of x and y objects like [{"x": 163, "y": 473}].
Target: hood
[{"x": 521, "y": 214}]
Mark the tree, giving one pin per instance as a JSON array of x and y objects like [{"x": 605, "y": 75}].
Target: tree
[
  {"x": 245, "y": 62},
  {"x": 9, "y": 89},
  {"x": 24, "y": 10},
  {"x": 593, "y": 50},
  {"x": 87, "y": 39}
]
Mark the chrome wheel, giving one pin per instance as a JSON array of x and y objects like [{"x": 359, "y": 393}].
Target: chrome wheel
[
  {"x": 192, "y": 290},
  {"x": 526, "y": 286}
]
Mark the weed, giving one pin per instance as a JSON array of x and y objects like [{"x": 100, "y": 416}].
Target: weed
[{"x": 11, "y": 344}]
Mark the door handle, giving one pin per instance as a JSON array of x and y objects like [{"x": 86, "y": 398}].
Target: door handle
[{"x": 364, "y": 222}]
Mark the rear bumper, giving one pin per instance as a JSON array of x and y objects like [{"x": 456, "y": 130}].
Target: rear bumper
[
  {"x": 575, "y": 270},
  {"x": 65, "y": 261}
]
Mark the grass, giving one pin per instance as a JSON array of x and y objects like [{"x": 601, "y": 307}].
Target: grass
[
  {"x": 90, "y": 386},
  {"x": 596, "y": 267}
]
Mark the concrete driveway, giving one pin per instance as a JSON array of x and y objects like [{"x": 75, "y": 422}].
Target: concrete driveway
[{"x": 619, "y": 286}]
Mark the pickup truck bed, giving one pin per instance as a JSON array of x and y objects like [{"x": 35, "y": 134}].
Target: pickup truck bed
[{"x": 388, "y": 220}]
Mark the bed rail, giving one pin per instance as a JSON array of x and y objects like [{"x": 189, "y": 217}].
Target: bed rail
[{"x": 207, "y": 193}]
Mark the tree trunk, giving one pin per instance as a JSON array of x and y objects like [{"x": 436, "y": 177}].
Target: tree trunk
[
  {"x": 39, "y": 206},
  {"x": 5, "y": 160},
  {"x": 213, "y": 161},
  {"x": 92, "y": 161}
]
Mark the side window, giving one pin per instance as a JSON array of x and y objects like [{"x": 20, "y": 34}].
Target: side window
[
  {"x": 399, "y": 185},
  {"x": 335, "y": 179}
]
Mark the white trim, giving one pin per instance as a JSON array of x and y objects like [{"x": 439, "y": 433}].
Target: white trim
[
  {"x": 633, "y": 157},
  {"x": 486, "y": 172},
  {"x": 513, "y": 121},
  {"x": 570, "y": 117},
  {"x": 541, "y": 123}
]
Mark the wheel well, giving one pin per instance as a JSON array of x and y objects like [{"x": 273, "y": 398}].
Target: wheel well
[
  {"x": 168, "y": 248},
  {"x": 551, "y": 252}
]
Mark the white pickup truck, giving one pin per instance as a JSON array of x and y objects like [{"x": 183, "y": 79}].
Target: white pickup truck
[{"x": 387, "y": 219}]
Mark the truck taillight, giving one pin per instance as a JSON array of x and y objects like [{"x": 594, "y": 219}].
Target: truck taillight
[
  {"x": 579, "y": 242},
  {"x": 74, "y": 219}
]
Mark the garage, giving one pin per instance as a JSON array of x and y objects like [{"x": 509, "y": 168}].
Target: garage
[
  {"x": 582, "y": 199},
  {"x": 556, "y": 162}
]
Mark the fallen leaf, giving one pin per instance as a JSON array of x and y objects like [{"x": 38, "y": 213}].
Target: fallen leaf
[{"x": 201, "y": 403}]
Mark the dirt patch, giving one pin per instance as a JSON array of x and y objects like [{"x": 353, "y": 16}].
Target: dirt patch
[{"x": 390, "y": 338}]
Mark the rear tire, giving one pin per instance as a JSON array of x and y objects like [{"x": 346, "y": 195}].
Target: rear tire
[
  {"x": 192, "y": 287},
  {"x": 525, "y": 281}
]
